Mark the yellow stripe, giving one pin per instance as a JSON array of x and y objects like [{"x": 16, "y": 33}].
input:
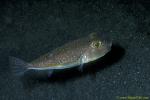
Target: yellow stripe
[{"x": 53, "y": 65}]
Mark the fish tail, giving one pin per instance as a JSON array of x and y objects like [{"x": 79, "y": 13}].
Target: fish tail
[{"x": 19, "y": 67}]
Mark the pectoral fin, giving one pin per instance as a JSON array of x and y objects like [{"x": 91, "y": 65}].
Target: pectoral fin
[{"x": 81, "y": 63}]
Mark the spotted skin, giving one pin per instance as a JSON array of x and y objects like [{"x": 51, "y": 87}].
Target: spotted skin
[
  {"x": 69, "y": 53},
  {"x": 91, "y": 48}
]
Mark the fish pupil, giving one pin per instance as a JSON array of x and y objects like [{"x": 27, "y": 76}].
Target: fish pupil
[{"x": 97, "y": 44}]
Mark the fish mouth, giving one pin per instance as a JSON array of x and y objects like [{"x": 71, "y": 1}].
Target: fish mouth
[{"x": 109, "y": 45}]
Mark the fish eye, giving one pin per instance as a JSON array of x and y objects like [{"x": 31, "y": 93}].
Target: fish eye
[{"x": 96, "y": 44}]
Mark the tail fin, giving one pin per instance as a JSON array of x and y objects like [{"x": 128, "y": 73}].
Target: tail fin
[{"x": 19, "y": 67}]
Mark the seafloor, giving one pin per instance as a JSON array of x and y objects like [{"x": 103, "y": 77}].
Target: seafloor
[{"x": 30, "y": 28}]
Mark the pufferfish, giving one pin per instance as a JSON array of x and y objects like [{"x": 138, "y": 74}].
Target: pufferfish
[{"x": 72, "y": 54}]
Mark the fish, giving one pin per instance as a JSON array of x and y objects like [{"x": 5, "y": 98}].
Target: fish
[{"x": 72, "y": 54}]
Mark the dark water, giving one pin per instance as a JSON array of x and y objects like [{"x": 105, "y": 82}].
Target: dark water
[{"x": 30, "y": 28}]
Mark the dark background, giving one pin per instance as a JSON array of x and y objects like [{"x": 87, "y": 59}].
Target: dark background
[{"x": 30, "y": 28}]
